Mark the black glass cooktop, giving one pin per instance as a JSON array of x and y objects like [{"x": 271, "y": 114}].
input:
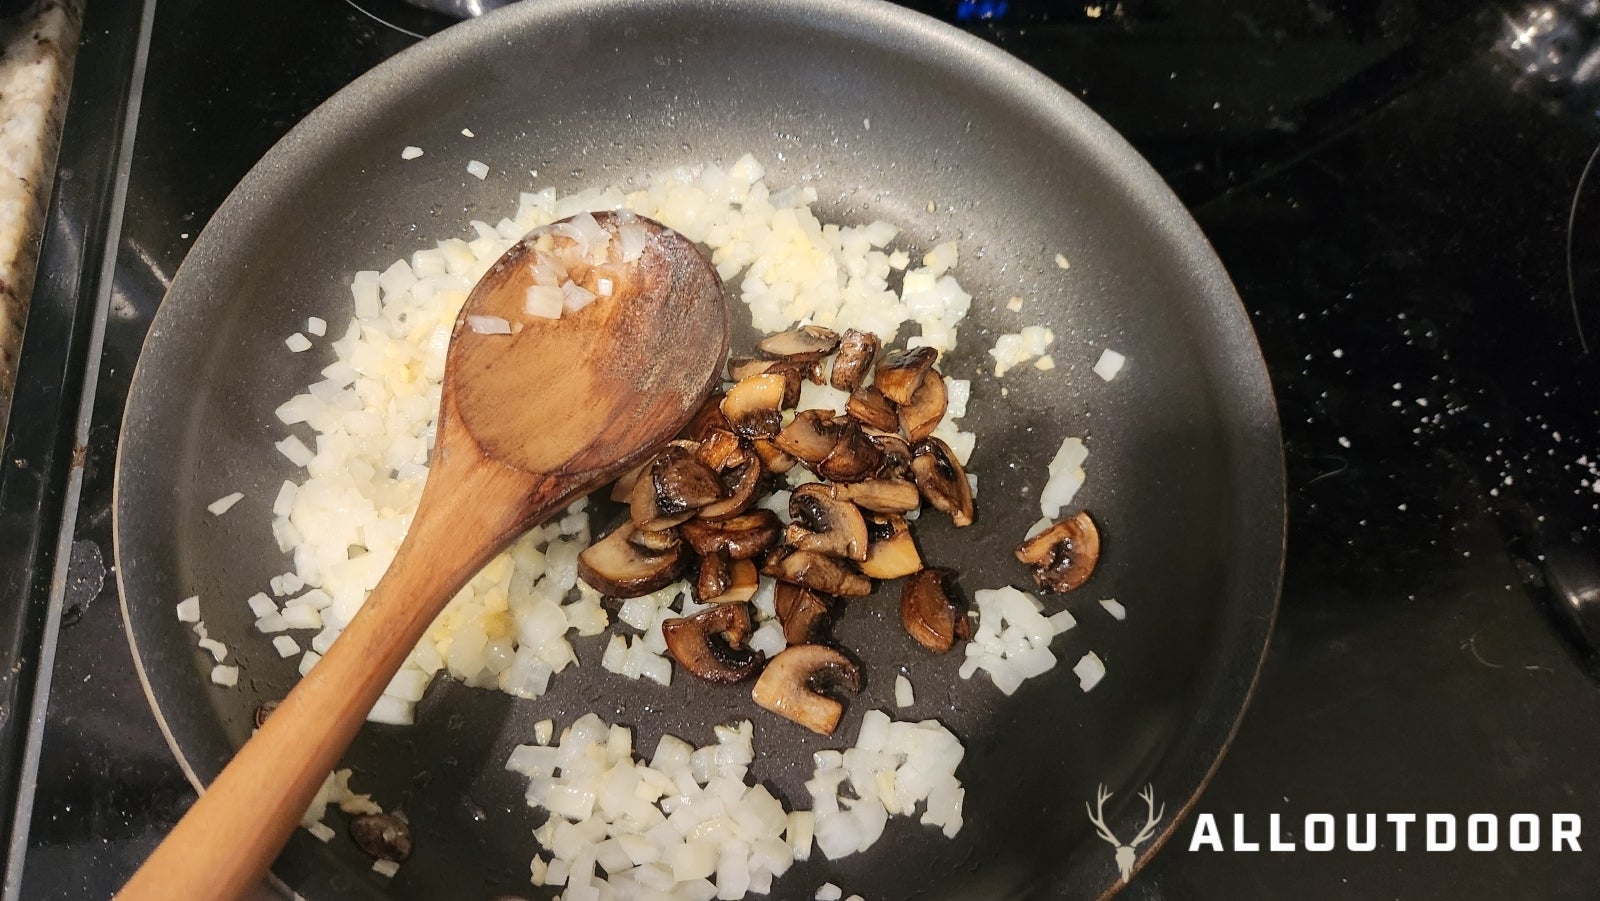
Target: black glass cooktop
[{"x": 1401, "y": 191}]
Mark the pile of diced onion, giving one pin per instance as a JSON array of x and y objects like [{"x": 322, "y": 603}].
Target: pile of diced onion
[{"x": 689, "y": 822}]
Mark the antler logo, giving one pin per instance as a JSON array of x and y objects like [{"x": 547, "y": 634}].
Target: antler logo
[{"x": 1125, "y": 853}]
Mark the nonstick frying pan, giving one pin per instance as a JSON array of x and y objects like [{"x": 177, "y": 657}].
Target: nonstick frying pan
[{"x": 964, "y": 142}]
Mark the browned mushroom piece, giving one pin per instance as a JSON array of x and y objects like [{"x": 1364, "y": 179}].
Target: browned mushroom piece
[
  {"x": 654, "y": 542},
  {"x": 741, "y": 368},
  {"x": 793, "y": 372},
  {"x": 818, "y": 572},
  {"x": 930, "y": 613},
  {"x": 800, "y": 345},
  {"x": 617, "y": 567},
  {"x": 741, "y": 537},
  {"x": 382, "y": 835},
  {"x": 645, "y": 510},
  {"x": 920, "y": 415},
  {"x": 814, "y": 373},
  {"x": 712, "y": 579},
  {"x": 899, "y": 372},
  {"x": 873, "y": 409},
  {"x": 724, "y": 581},
  {"x": 880, "y": 495},
  {"x": 743, "y": 582},
  {"x": 676, "y": 487},
  {"x": 773, "y": 458},
  {"x": 741, "y": 485},
  {"x": 265, "y": 710},
  {"x": 896, "y": 457},
  {"x": 707, "y": 418},
  {"x": 711, "y": 645},
  {"x": 803, "y": 613},
  {"x": 941, "y": 479},
  {"x": 856, "y": 352},
  {"x": 825, "y": 524},
  {"x": 622, "y": 488},
  {"x": 1064, "y": 555},
  {"x": 854, "y": 457},
  {"x": 891, "y": 552},
  {"x": 720, "y": 449},
  {"x": 797, "y": 682},
  {"x": 752, "y": 406},
  {"x": 811, "y": 436}
]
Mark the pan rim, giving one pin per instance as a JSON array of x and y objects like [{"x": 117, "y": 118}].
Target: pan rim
[{"x": 1254, "y": 397}]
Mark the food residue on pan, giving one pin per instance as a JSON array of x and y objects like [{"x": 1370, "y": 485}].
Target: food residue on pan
[{"x": 798, "y": 487}]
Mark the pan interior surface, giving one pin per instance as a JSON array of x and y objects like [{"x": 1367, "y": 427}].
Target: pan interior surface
[{"x": 888, "y": 116}]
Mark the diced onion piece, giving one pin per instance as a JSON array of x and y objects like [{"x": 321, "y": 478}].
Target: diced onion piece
[
  {"x": 1109, "y": 364},
  {"x": 632, "y": 237},
  {"x": 574, "y": 296},
  {"x": 189, "y": 610},
  {"x": 283, "y": 504},
  {"x": 225, "y": 503},
  {"x": 218, "y": 650},
  {"x": 322, "y": 831},
  {"x": 226, "y": 676},
  {"x": 477, "y": 169},
  {"x": 261, "y": 605},
  {"x": 385, "y": 868},
  {"x": 904, "y": 696},
  {"x": 295, "y": 450},
  {"x": 301, "y": 616},
  {"x": 411, "y": 152},
  {"x": 544, "y": 301},
  {"x": 1115, "y": 608},
  {"x": 391, "y": 711},
  {"x": 286, "y": 646},
  {"x": 547, "y": 270},
  {"x": 829, "y": 892},
  {"x": 316, "y": 325},
  {"x": 297, "y": 342},
  {"x": 1066, "y": 476},
  {"x": 1090, "y": 669},
  {"x": 489, "y": 325}
]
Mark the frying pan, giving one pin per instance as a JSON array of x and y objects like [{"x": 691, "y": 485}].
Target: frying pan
[{"x": 1185, "y": 472}]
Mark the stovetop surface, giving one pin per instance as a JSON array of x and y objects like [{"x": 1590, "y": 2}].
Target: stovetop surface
[{"x": 1391, "y": 186}]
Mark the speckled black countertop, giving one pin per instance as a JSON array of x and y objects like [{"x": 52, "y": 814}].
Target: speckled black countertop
[{"x": 1391, "y": 187}]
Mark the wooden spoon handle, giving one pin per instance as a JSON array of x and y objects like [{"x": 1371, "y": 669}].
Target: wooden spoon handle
[{"x": 226, "y": 841}]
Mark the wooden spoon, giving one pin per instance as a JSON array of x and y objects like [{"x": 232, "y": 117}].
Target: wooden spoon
[{"x": 527, "y": 422}]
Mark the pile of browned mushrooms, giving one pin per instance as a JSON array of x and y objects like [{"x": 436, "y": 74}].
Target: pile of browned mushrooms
[{"x": 694, "y": 509}]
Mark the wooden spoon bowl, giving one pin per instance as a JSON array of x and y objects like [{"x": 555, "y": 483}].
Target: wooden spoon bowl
[{"x": 528, "y": 421}]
